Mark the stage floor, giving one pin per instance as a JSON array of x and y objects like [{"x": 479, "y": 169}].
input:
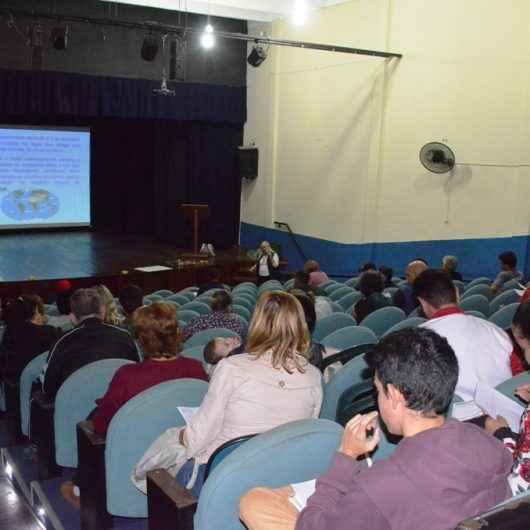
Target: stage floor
[{"x": 54, "y": 255}]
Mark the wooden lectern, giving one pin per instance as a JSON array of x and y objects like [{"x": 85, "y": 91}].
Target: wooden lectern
[{"x": 195, "y": 213}]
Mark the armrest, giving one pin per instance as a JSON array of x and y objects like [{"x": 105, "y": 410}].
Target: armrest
[
  {"x": 42, "y": 434},
  {"x": 170, "y": 505},
  {"x": 92, "y": 478}
]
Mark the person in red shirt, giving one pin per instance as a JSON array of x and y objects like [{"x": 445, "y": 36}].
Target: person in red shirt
[{"x": 157, "y": 330}]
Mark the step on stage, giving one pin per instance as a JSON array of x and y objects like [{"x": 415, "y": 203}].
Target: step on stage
[{"x": 30, "y": 262}]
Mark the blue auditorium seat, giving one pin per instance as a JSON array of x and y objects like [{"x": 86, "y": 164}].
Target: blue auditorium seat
[
  {"x": 505, "y": 298},
  {"x": 186, "y": 315},
  {"x": 348, "y": 337},
  {"x": 198, "y": 307},
  {"x": 480, "y": 288},
  {"x": 30, "y": 373},
  {"x": 164, "y": 293},
  {"x": 478, "y": 281},
  {"x": 331, "y": 323},
  {"x": 504, "y": 316},
  {"x": 412, "y": 322},
  {"x": 381, "y": 320},
  {"x": 476, "y": 302}
]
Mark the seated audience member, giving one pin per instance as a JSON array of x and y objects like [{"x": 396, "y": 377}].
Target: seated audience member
[
  {"x": 517, "y": 443},
  {"x": 404, "y": 297},
  {"x": 92, "y": 339},
  {"x": 131, "y": 298},
  {"x": 367, "y": 267},
  {"x": 449, "y": 265},
  {"x": 219, "y": 348},
  {"x": 269, "y": 385},
  {"x": 214, "y": 282},
  {"x": 220, "y": 317},
  {"x": 112, "y": 314},
  {"x": 156, "y": 327},
  {"x": 62, "y": 321},
  {"x": 371, "y": 285},
  {"x": 508, "y": 264},
  {"x": 483, "y": 349},
  {"x": 388, "y": 274},
  {"x": 442, "y": 471},
  {"x": 316, "y": 276},
  {"x": 301, "y": 282},
  {"x": 26, "y": 336},
  {"x": 323, "y": 307},
  {"x": 267, "y": 263}
]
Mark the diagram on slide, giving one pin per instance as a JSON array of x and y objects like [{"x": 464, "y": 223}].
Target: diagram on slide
[{"x": 26, "y": 205}]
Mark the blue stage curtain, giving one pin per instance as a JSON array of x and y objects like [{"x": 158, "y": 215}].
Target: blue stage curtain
[{"x": 56, "y": 93}]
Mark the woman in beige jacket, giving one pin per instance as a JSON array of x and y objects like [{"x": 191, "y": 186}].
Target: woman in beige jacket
[{"x": 269, "y": 385}]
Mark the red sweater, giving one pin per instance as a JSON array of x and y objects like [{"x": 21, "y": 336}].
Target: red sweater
[{"x": 132, "y": 379}]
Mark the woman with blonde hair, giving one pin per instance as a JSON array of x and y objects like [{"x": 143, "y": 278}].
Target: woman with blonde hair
[
  {"x": 267, "y": 261},
  {"x": 112, "y": 315},
  {"x": 269, "y": 385}
]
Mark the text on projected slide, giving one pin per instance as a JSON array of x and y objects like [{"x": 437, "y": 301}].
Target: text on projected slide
[{"x": 44, "y": 177}]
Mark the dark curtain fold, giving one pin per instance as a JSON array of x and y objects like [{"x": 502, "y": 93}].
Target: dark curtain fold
[{"x": 57, "y": 93}]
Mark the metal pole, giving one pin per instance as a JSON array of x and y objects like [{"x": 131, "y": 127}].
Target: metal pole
[{"x": 150, "y": 26}]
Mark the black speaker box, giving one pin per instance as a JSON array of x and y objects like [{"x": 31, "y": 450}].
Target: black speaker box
[{"x": 248, "y": 158}]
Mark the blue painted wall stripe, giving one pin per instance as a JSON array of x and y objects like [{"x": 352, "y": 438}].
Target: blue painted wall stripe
[{"x": 478, "y": 257}]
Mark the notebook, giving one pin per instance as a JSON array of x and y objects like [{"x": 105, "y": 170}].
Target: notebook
[{"x": 494, "y": 404}]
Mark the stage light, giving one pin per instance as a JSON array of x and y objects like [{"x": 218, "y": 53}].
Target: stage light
[
  {"x": 149, "y": 48},
  {"x": 41, "y": 512},
  {"x": 9, "y": 471},
  {"x": 59, "y": 38},
  {"x": 257, "y": 55},
  {"x": 300, "y": 13},
  {"x": 207, "y": 38}
]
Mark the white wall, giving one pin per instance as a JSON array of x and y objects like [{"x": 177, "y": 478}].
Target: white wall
[{"x": 339, "y": 135}]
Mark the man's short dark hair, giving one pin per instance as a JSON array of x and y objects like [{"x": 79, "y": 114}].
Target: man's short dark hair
[
  {"x": 302, "y": 277},
  {"x": 436, "y": 287},
  {"x": 63, "y": 302},
  {"x": 371, "y": 282},
  {"x": 85, "y": 302},
  {"x": 421, "y": 365},
  {"x": 508, "y": 258},
  {"x": 209, "y": 353},
  {"x": 387, "y": 272},
  {"x": 131, "y": 298},
  {"x": 221, "y": 301},
  {"x": 370, "y": 266}
]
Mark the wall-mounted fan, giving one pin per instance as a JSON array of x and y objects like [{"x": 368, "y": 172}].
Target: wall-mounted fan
[{"x": 437, "y": 157}]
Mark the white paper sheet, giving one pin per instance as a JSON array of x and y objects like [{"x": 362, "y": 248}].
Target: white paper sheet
[
  {"x": 153, "y": 268},
  {"x": 496, "y": 404},
  {"x": 187, "y": 413},
  {"x": 302, "y": 492}
]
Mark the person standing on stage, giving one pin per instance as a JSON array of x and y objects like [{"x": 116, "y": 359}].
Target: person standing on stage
[{"x": 267, "y": 261}]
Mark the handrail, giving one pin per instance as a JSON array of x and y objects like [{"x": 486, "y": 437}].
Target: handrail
[{"x": 281, "y": 224}]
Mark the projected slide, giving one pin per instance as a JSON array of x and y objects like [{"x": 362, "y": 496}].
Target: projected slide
[{"x": 44, "y": 177}]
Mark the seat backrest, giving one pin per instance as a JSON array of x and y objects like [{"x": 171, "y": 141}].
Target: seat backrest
[
  {"x": 508, "y": 387},
  {"x": 291, "y": 453},
  {"x": 196, "y": 352},
  {"x": 178, "y": 298},
  {"x": 478, "y": 281},
  {"x": 153, "y": 298},
  {"x": 349, "y": 299},
  {"x": 243, "y": 302},
  {"x": 337, "y": 294},
  {"x": 337, "y": 308},
  {"x": 31, "y": 372},
  {"x": 357, "y": 399},
  {"x": 352, "y": 282},
  {"x": 209, "y": 293},
  {"x": 383, "y": 319},
  {"x": 353, "y": 372},
  {"x": 187, "y": 315},
  {"x": 331, "y": 323},
  {"x": 348, "y": 337},
  {"x": 133, "y": 429},
  {"x": 74, "y": 402},
  {"x": 203, "y": 337},
  {"x": 459, "y": 285},
  {"x": 511, "y": 284},
  {"x": 223, "y": 451},
  {"x": 289, "y": 283},
  {"x": 164, "y": 293},
  {"x": 411, "y": 322},
  {"x": 504, "y": 316},
  {"x": 476, "y": 302},
  {"x": 477, "y": 314},
  {"x": 331, "y": 286},
  {"x": 505, "y": 298},
  {"x": 481, "y": 288},
  {"x": 242, "y": 311},
  {"x": 198, "y": 307}
]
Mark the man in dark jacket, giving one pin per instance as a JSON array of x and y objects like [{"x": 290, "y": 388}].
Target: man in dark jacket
[
  {"x": 91, "y": 340},
  {"x": 442, "y": 472}
]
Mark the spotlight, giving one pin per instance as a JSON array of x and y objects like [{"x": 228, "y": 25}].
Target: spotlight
[
  {"x": 301, "y": 13},
  {"x": 59, "y": 38},
  {"x": 207, "y": 38},
  {"x": 9, "y": 471},
  {"x": 257, "y": 55},
  {"x": 41, "y": 512},
  {"x": 149, "y": 48}
]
